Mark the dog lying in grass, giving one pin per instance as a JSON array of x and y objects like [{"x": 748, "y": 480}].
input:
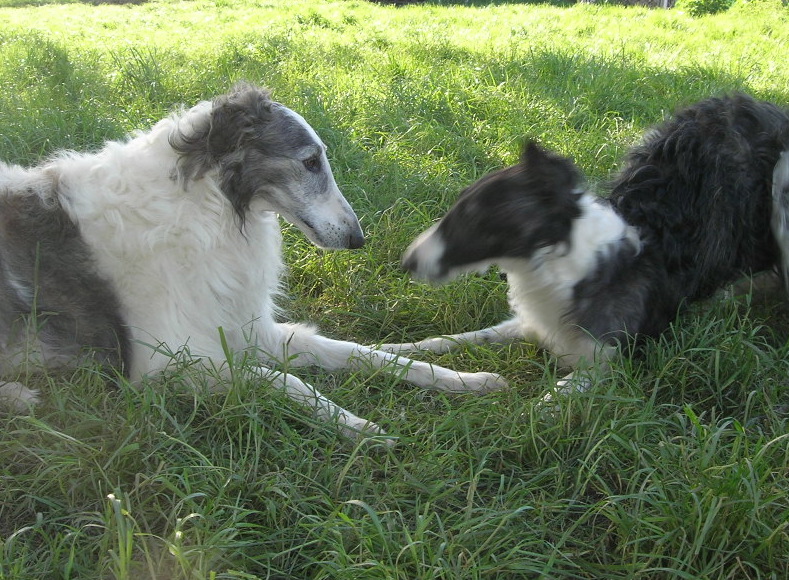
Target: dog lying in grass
[
  {"x": 169, "y": 242},
  {"x": 700, "y": 202}
]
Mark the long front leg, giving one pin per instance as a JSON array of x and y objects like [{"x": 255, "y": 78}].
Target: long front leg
[
  {"x": 303, "y": 347},
  {"x": 351, "y": 425},
  {"x": 506, "y": 332}
]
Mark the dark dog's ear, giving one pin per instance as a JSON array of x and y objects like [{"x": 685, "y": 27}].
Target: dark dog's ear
[
  {"x": 532, "y": 154},
  {"x": 234, "y": 115},
  {"x": 550, "y": 172},
  {"x": 537, "y": 159},
  {"x": 212, "y": 139}
]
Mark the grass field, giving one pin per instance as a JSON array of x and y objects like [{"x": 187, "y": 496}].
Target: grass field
[{"x": 674, "y": 467}]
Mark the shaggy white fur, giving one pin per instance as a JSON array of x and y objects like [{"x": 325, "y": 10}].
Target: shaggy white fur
[{"x": 181, "y": 222}]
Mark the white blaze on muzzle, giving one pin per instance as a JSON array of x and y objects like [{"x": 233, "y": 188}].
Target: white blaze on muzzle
[{"x": 423, "y": 258}]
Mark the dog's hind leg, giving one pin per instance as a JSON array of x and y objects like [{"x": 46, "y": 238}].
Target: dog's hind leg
[
  {"x": 780, "y": 213},
  {"x": 504, "y": 333},
  {"x": 17, "y": 396}
]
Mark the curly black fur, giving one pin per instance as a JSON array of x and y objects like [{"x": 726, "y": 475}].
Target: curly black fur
[{"x": 698, "y": 188}]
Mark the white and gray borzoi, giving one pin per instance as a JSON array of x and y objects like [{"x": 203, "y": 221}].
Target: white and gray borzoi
[
  {"x": 690, "y": 211},
  {"x": 170, "y": 240}
]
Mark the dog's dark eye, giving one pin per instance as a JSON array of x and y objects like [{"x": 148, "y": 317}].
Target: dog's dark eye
[{"x": 313, "y": 164}]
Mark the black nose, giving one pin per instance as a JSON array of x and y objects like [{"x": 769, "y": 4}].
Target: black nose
[
  {"x": 355, "y": 241},
  {"x": 409, "y": 262}
]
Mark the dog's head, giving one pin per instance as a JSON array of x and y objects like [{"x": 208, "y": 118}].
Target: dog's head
[
  {"x": 510, "y": 213},
  {"x": 267, "y": 158}
]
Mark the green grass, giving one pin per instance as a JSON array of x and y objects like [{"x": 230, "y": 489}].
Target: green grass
[{"x": 674, "y": 467}]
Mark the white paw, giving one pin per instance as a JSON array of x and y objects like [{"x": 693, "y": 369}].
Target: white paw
[
  {"x": 550, "y": 404},
  {"x": 17, "y": 396},
  {"x": 567, "y": 386},
  {"x": 361, "y": 429},
  {"x": 479, "y": 383}
]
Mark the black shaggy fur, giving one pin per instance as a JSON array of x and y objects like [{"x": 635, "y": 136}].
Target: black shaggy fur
[{"x": 698, "y": 188}]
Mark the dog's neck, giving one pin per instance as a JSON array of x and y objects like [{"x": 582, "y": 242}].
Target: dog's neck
[{"x": 595, "y": 234}]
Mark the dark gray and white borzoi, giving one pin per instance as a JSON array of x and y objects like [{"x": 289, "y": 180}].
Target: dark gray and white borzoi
[
  {"x": 157, "y": 242},
  {"x": 703, "y": 200}
]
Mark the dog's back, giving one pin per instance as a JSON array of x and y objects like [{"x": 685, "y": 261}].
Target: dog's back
[{"x": 698, "y": 188}]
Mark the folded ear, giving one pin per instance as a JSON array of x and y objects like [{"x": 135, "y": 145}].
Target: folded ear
[
  {"x": 234, "y": 115},
  {"x": 217, "y": 132}
]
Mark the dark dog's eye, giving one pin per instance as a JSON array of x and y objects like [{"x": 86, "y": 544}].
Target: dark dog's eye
[{"x": 313, "y": 164}]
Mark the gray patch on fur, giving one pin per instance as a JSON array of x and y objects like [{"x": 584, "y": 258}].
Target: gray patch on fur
[{"x": 50, "y": 289}]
